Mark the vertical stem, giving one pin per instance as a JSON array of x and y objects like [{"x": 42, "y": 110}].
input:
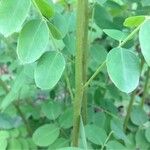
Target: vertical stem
[
  {"x": 81, "y": 40},
  {"x": 85, "y": 63},
  {"x": 25, "y": 121},
  {"x": 145, "y": 87},
  {"x": 129, "y": 110},
  {"x": 20, "y": 113}
]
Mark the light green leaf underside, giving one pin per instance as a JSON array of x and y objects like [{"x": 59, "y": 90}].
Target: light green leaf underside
[
  {"x": 12, "y": 15},
  {"x": 33, "y": 40},
  {"x": 123, "y": 68},
  {"x": 115, "y": 34},
  {"x": 49, "y": 70}
]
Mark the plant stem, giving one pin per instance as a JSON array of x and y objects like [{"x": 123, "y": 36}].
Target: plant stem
[
  {"x": 95, "y": 74},
  {"x": 130, "y": 36},
  {"x": 107, "y": 140},
  {"x": 129, "y": 110},
  {"x": 81, "y": 40},
  {"x": 85, "y": 64},
  {"x": 23, "y": 119},
  {"x": 4, "y": 86},
  {"x": 145, "y": 87}
]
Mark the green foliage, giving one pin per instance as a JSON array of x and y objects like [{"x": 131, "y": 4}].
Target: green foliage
[
  {"x": 35, "y": 31},
  {"x": 55, "y": 63},
  {"x": 45, "y": 135},
  {"x": 138, "y": 116},
  {"x": 90, "y": 131},
  {"x": 134, "y": 21},
  {"x": 45, "y": 8},
  {"x": 42, "y": 103},
  {"x": 13, "y": 14},
  {"x": 123, "y": 65},
  {"x": 145, "y": 45}
]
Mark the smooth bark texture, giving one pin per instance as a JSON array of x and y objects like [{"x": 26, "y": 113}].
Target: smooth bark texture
[{"x": 81, "y": 47}]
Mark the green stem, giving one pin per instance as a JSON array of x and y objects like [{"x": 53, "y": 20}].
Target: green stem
[
  {"x": 95, "y": 74},
  {"x": 85, "y": 65},
  {"x": 4, "y": 86},
  {"x": 145, "y": 87},
  {"x": 81, "y": 40},
  {"x": 19, "y": 111},
  {"x": 129, "y": 110},
  {"x": 107, "y": 140},
  {"x": 130, "y": 36}
]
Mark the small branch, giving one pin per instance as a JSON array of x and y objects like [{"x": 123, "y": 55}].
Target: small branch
[
  {"x": 145, "y": 87},
  {"x": 4, "y": 86},
  {"x": 95, "y": 74},
  {"x": 23, "y": 119},
  {"x": 107, "y": 140},
  {"x": 129, "y": 111},
  {"x": 130, "y": 36}
]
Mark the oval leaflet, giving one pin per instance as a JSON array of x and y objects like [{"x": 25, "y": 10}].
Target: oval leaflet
[
  {"x": 49, "y": 70},
  {"x": 123, "y": 68}
]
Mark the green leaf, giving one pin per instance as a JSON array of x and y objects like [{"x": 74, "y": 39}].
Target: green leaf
[
  {"x": 70, "y": 148},
  {"x": 45, "y": 8},
  {"x": 123, "y": 65},
  {"x": 138, "y": 116},
  {"x": 14, "y": 144},
  {"x": 60, "y": 23},
  {"x": 117, "y": 128},
  {"x": 52, "y": 110},
  {"x": 141, "y": 142},
  {"x": 3, "y": 144},
  {"x": 12, "y": 15},
  {"x": 144, "y": 40},
  {"x": 54, "y": 30},
  {"x": 98, "y": 55},
  {"x": 83, "y": 136},
  {"x": 131, "y": 143},
  {"x": 49, "y": 70},
  {"x": 115, "y": 34},
  {"x": 147, "y": 134},
  {"x": 21, "y": 79},
  {"x": 45, "y": 135},
  {"x": 134, "y": 21},
  {"x": 59, "y": 143},
  {"x": 33, "y": 41},
  {"x": 95, "y": 134},
  {"x": 24, "y": 144},
  {"x": 103, "y": 18},
  {"x": 114, "y": 145},
  {"x": 4, "y": 134},
  {"x": 66, "y": 119}
]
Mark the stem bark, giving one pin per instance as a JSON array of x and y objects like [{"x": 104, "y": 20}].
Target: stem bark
[{"x": 81, "y": 47}]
